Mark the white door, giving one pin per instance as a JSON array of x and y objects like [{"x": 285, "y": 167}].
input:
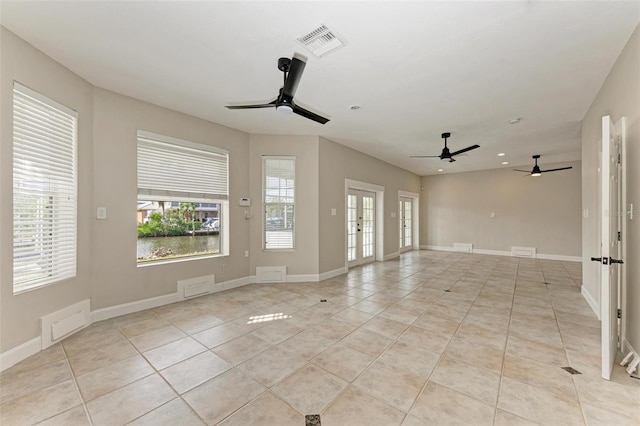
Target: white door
[
  {"x": 361, "y": 227},
  {"x": 610, "y": 249},
  {"x": 405, "y": 211}
]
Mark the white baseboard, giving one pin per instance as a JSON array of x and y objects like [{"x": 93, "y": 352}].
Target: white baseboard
[
  {"x": 332, "y": 274},
  {"x": 492, "y": 252},
  {"x": 15, "y": 355},
  {"x": 591, "y": 301},
  {"x": 559, "y": 257},
  {"x": 627, "y": 345},
  {"x": 131, "y": 307},
  {"x": 228, "y": 285},
  {"x": 437, "y": 248},
  {"x": 391, "y": 256},
  {"x": 303, "y": 278}
]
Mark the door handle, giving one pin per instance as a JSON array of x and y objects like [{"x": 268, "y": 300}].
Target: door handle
[
  {"x": 612, "y": 261},
  {"x": 597, "y": 259}
]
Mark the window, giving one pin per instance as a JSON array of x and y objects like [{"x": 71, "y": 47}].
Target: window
[
  {"x": 279, "y": 202},
  {"x": 44, "y": 190},
  {"x": 182, "y": 198}
]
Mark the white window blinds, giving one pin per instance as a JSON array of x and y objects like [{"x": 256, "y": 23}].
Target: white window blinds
[
  {"x": 44, "y": 190},
  {"x": 279, "y": 202},
  {"x": 174, "y": 170}
]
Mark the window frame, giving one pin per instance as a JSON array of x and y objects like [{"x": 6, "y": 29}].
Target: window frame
[
  {"x": 177, "y": 196},
  {"x": 266, "y": 158},
  {"x": 62, "y": 226}
]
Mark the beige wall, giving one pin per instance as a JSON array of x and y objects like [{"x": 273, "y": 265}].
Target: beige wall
[
  {"x": 19, "y": 314},
  {"x": 338, "y": 163},
  {"x": 618, "y": 97},
  {"x": 303, "y": 259},
  {"x": 116, "y": 277},
  {"x": 541, "y": 212}
]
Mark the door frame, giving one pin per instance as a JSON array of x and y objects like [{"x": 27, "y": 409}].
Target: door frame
[
  {"x": 415, "y": 222},
  {"x": 360, "y": 196},
  {"x": 379, "y": 191}
]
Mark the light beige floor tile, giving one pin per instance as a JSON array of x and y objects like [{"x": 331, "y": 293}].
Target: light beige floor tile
[
  {"x": 353, "y": 316},
  {"x": 368, "y": 342},
  {"x": 277, "y": 332},
  {"x": 412, "y": 421},
  {"x": 437, "y": 324},
  {"x": 144, "y": 326},
  {"x": 553, "y": 379},
  {"x": 174, "y": 352},
  {"x": 411, "y": 358},
  {"x": 198, "y": 323},
  {"x": 479, "y": 356},
  {"x": 425, "y": 339},
  {"x": 40, "y": 405},
  {"x": 343, "y": 361},
  {"x": 130, "y": 402},
  {"x": 219, "y": 397},
  {"x": 538, "y": 405},
  {"x": 400, "y": 386},
  {"x": 465, "y": 378},
  {"x": 266, "y": 410},
  {"x": 597, "y": 416},
  {"x": 386, "y": 327},
  {"x": 482, "y": 336},
  {"x": 400, "y": 314},
  {"x": 218, "y": 335},
  {"x": 104, "y": 380},
  {"x": 355, "y": 407},
  {"x": 90, "y": 360},
  {"x": 536, "y": 351},
  {"x": 157, "y": 338},
  {"x": 241, "y": 349},
  {"x": 439, "y": 405},
  {"x": 306, "y": 345},
  {"x": 48, "y": 356},
  {"x": 614, "y": 397},
  {"x": 192, "y": 372},
  {"x": 175, "y": 412},
  {"x": 272, "y": 365},
  {"x": 332, "y": 329},
  {"x": 587, "y": 345},
  {"x": 77, "y": 416},
  {"x": 370, "y": 307},
  {"x": 92, "y": 338},
  {"x": 18, "y": 384},
  {"x": 504, "y": 418},
  {"x": 310, "y": 389},
  {"x": 535, "y": 328}
]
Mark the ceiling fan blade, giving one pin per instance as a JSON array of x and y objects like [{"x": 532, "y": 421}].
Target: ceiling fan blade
[
  {"x": 451, "y": 160},
  {"x": 465, "y": 150},
  {"x": 269, "y": 105},
  {"x": 424, "y": 156},
  {"x": 524, "y": 171},
  {"x": 293, "y": 77},
  {"x": 555, "y": 170},
  {"x": 308, "y": 114}
]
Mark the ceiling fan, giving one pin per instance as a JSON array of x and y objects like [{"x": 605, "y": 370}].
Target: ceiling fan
[
  {"x": 536, "y": 170},
  {"x": 446, "y": 154},
  {"x": 292, "y": 69}
]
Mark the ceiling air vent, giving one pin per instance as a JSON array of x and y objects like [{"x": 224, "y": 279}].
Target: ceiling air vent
[{"x": 322, "y": 41}]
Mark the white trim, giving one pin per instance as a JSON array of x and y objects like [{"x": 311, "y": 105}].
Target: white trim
[
  {"x": 391, "y": 255},
  {"x": 44, "y": 99},
  {"x": 228, "y": 285},
  {"x": 625, "y": 343},
  {"x": 415, "y": 220},
  {"x": 332, "y": 274},
  {"x": 590, "y": 300},
  {"x": 303, "y": 278},
  {"x": 64, "y": 322},
  {"x": 437, "y": 248},
  {"x": 131, "y": 307},
  {"x": 379, "y": 191},
  {"x": 175, "y": 141},
  {"x": 492, "y": 252},
  {"x": 15, "y": 355},
  {"x": 559, "y": 257}
]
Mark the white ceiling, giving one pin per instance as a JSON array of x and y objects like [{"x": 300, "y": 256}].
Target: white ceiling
[{"x": 416, "y": 68}]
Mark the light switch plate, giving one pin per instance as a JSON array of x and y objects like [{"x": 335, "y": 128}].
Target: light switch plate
[{"x": 101, "y": 213}]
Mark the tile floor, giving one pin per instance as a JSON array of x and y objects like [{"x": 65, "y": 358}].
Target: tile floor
[{"x": 430, "y": 338}]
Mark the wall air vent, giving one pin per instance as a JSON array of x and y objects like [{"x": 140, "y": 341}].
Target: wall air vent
[{"x": 322, "y": 41}]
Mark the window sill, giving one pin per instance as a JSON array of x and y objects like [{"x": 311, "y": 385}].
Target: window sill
[
  {"x": 278, "y": 250},
  {"x": 180, "y": 260}
]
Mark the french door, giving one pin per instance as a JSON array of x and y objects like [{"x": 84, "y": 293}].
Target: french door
[
  {"x": 405, "y": 211},
  {"x": 361, "y": 227}
]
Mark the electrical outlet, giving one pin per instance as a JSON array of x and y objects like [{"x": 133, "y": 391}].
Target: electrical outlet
[{"x": 246, "y": 253}]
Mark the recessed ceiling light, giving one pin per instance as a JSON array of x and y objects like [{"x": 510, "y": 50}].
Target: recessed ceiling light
[
  {"x": 505, "y": 163},
  {"x": 441, "y": 170},
  {"x": 502, "y": 154},
  {"x": 515, "y": 120},
  {"x": 355, "y": 107}
]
